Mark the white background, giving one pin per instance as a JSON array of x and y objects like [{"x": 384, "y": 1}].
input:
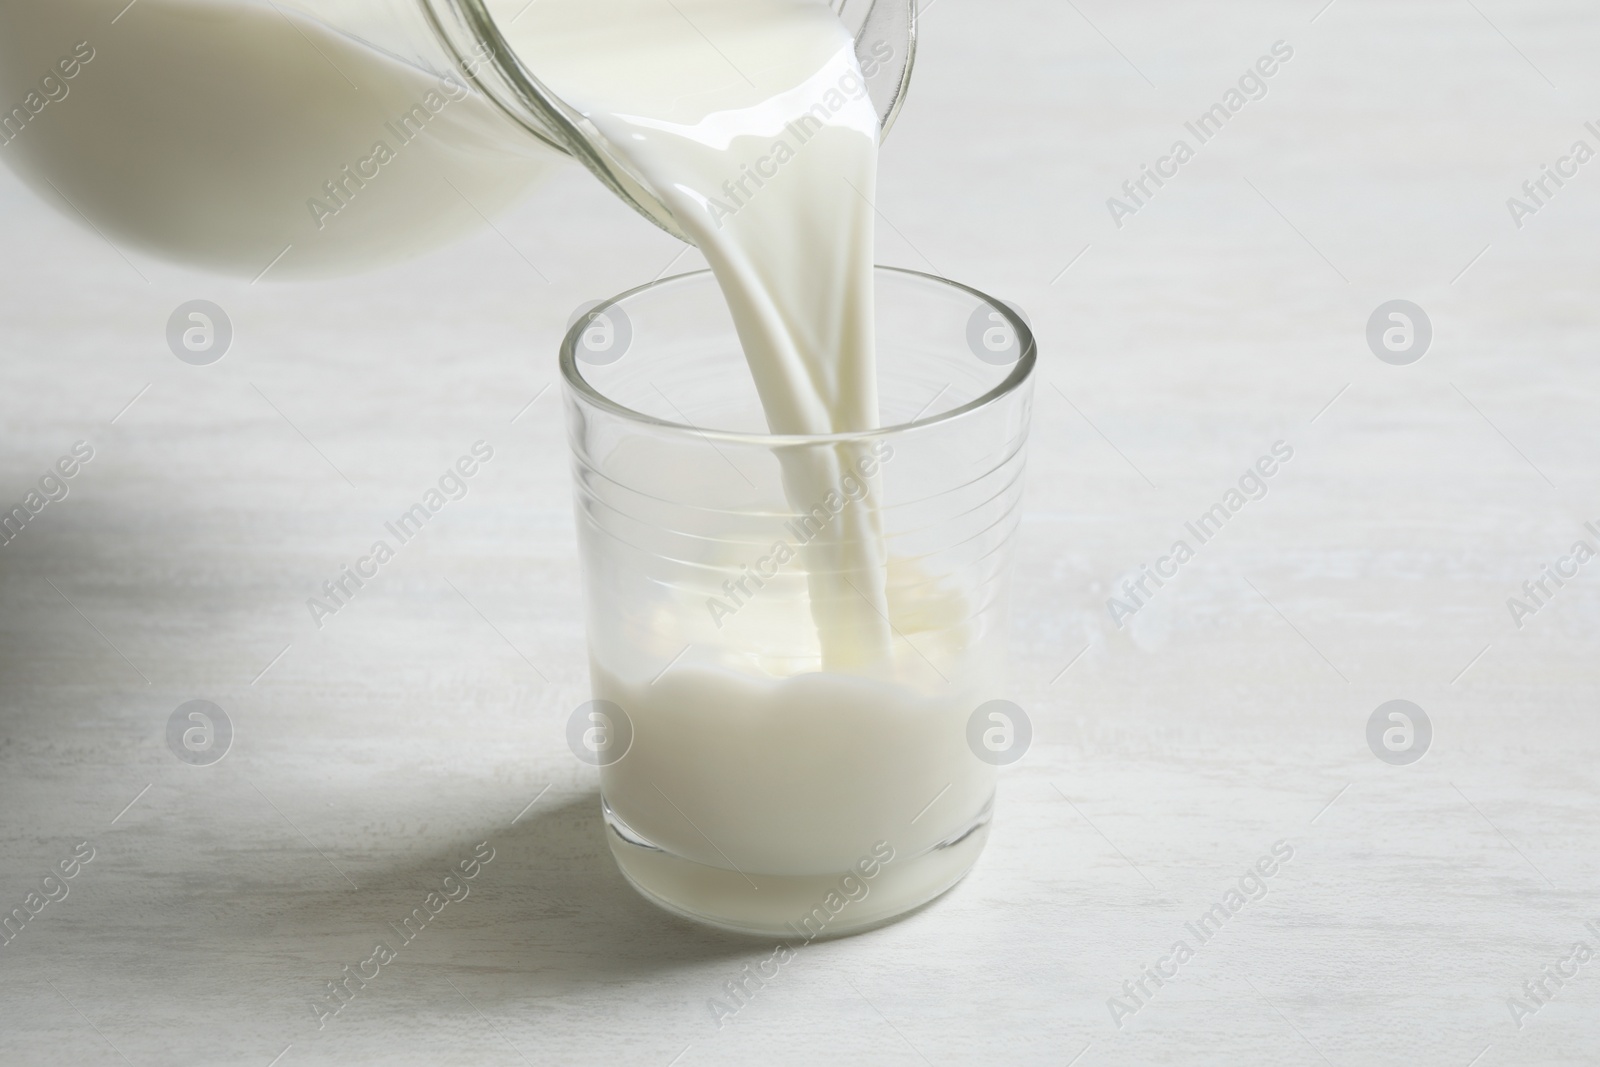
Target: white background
[{"x": 1230, "y": 714}]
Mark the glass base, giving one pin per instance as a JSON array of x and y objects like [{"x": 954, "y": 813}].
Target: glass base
[{"x": 792, "y": 906}]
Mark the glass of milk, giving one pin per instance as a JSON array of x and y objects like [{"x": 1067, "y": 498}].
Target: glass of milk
[{"x": 785, "y": 685}]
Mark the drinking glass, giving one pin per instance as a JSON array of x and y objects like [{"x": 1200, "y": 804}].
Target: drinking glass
[{"x": 790, "y": 693}]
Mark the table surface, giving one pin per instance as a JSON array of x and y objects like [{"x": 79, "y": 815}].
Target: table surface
[{"x": 1227, "y": 313}]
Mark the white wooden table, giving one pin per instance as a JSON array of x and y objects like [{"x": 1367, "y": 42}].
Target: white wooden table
[{"x": 1226, "y": 314}]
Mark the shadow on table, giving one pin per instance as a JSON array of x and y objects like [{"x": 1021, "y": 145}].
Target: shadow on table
[{"x": 548, "y": 915}]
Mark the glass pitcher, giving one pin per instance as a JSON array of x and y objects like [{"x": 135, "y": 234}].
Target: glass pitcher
[{"x": 311, "y": 137}]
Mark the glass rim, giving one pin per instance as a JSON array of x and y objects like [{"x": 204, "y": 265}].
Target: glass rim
[{"x": 1021, "y": 371}]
